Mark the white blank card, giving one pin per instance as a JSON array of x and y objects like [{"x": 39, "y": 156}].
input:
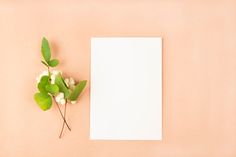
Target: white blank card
[{"x": 126, "y": 88}]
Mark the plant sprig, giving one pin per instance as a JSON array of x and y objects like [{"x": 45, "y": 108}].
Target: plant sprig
[
  {"x": 53, "y": 86},
  {"x": 46, "y": 53}
]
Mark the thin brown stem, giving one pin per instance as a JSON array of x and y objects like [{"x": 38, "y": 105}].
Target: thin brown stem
[
  {"x": 63, "y": 125},
  {"x": 63, "y": 116}
]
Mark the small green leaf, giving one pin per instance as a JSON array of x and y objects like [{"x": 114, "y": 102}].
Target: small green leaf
[
  {"x": 62, "y": 87},
  {"x": 42, "y": 84},
  {"x": 52, "y": 88},
  {"x": 45, "y": 49},
  {"x": 78, "y": 89},
  {"x": 53, "y": 62},
  {"x": 43, "y": 100},
  {"x": 45, "y": 63}
]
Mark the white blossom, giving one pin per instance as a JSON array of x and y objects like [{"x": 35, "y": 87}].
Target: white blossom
[
  {"x": 60, "y": 98},
  {"x": 72, "y": 81},
  {"x": 53, "y": 77},
  {"x": 45, "y": 73},
  {"x": 55, "y": 72},
  {"x": 72, "y": 87},
  {"x": 61, "y": 95},
  {"x": 62, "y": 101}
]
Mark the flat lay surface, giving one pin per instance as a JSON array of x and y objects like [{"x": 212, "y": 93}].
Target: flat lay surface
[{"x": 199, "y": 75}]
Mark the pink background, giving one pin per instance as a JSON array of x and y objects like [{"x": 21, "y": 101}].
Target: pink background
[{"x": 199, "y": 73}]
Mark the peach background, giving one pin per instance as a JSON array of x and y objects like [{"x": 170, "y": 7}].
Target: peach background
[{"x": 199, "y": 72}]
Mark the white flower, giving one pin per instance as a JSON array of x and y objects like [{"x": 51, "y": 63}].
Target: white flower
[
  {"x": 55, "y": 72},
  {"x": 59, "y": 97},
  {"x": 45, "y": 73},
  {"x": 72, "y": 87},
  {"x": 62, "y": 101},
  {"x": 53, "y": 77},
  {"x": 72, "y": 81},
  {"x": 73, "y": 102}
]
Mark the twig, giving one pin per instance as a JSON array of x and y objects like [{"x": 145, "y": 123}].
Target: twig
[
  {"x": 63, "y": 125},
  {"x": 62, "y": 115}
]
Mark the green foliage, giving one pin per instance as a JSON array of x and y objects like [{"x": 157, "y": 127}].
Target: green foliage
[
  {"x": 53, "y": 63},
  {"x": 59, "y": 81},
  {"x": 45, "y": 49},
  {"x": 42, "y": 84},
  {"x": 46, "y": 53},
  {"x": 77, "y": 90},
  {"x": 52, "y": 88},
  {"x": 47, "y": 90},
  {"x": 43, "y": 100}
]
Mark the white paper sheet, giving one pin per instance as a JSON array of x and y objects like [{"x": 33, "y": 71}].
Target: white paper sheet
[{"x": 126, "y": 88}]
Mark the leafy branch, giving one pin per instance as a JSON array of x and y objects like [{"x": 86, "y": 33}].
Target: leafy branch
[{"x": 53, "y": 86}]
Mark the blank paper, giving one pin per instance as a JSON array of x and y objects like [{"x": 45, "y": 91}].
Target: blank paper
[{"x": 126, "y": 88}]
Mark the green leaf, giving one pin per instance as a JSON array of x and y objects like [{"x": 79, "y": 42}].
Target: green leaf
[
  {"x": 45, "y": 63},
  {"x": 43, "y": 100},
  {"x": 45, "y": 49},
  {"x": 42, "y": 84},
  {"x": 62, "y": 87},
  {"x": 52, "y": 88},
  {"x": 78, "y": 89},
  {"x": 53, "y": 62}
]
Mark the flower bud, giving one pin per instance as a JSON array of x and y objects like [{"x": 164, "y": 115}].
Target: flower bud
[
  {"x": 63, "y": 102},
  {"x": 72, "y": 81}
]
